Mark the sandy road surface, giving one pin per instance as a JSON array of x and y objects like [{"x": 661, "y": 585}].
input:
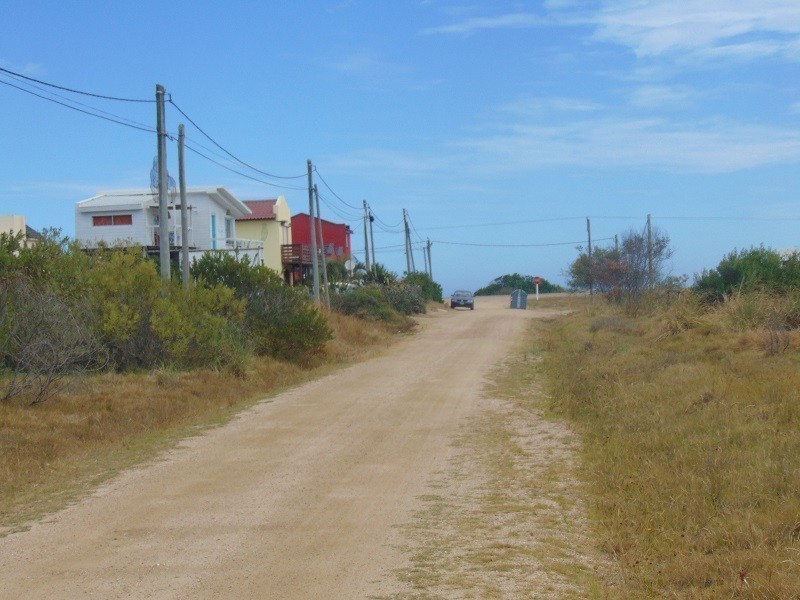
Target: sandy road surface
[{"x": 299, "y": 497}]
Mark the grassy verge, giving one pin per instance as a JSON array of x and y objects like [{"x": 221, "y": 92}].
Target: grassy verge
[
  {"x": 55, "y": 451},
  {"x": 506, "y": 519},
  {"x": 690, "y": 420}
]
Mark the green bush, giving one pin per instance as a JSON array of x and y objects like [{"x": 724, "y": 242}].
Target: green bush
[
  {"x": 430, "y": 289},
  {"x": 201, "y": 327},
  {"x": 283, "y": 323},
  {"x": 405, "y": 298},
  {"x": 123, "y": 288},
  {"x": 279, "y": 321},
  {"x": 368, "y": 303},
  {"x": 754, "y": 270}
]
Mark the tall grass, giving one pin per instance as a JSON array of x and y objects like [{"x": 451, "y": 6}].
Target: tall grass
[
  {"x": 691, "y": 420},
  {"x": 53, "y": 451}
]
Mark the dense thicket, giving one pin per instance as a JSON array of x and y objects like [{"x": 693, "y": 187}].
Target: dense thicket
[{"x": 63, "y": 311}]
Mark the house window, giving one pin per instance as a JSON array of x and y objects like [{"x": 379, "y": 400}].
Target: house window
[{"x": 107, "y": 220}]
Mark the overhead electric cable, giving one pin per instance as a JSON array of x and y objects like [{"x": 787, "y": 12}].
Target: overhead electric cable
[
  {"x": 338, "y": 197},
  {"x": 233, "y": 156},
  {"x": 80, "y": 110},
  {"x": 87, "y": 106},
  {"x": 516, "y": 245},
  {"x": 226, "y": 167},
  {"x": 74, "y": 91}
]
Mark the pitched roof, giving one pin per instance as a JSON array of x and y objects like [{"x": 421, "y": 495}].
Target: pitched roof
[{"x": 263, "y": 210}]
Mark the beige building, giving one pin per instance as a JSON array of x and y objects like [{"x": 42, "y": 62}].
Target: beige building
[
  {"x": 15, "y": 224},
  {"x": 271, "y": 224}
]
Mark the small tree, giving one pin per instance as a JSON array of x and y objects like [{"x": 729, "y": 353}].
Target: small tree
[{"x": 625, "y": 272}]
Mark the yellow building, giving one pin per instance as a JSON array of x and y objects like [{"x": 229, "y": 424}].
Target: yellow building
[
  {"x": 15, "y": 224},
  {"x": 270, "y": 223}
]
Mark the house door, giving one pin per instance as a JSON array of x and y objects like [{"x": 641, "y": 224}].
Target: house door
[{"x": 213, "y": 231}]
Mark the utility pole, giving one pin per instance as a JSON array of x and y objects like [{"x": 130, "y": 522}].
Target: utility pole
[
  {"x": 366, "y": 238},
  {"x": 409, "y": 254},
  {"x": 425, "y": 259},
  {"x": 430, "y": 264},
  {"x": 650, "y": 277},
  {"x": 616, "y": 244},
  {"x": 184, "y": 210},
  {"x": 314, "y": 269},
  {"x": 322, "y": 252},
  {"x": 591, "y": 263},
  {"x": 163, "y": 208},
  {"x": 372, "y": 240}
]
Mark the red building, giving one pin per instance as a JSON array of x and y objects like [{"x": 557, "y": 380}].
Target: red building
[{"x": 335, "y": 236}]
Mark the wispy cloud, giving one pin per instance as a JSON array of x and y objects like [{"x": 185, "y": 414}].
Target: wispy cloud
[
  {"x": 691, "y": 147},
  {"x": 26, "y": 69},
  {"x": 506, "y": 21},
  {"x": 719, "y": 28},
  {"x": 663, "y": 97}
]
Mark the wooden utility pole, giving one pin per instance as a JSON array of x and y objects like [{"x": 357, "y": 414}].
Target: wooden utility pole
[
  {"x": 163, "y": 207},
  {"x": 430, "y": 264},
  {"x": 366, "y": 238},
  {"x": 322, "y": 253},
  {"x": 591, "y": 262},
  {"x": 314, "y": 269},
  {"x": 650, "y": 282},
  {"x": 372, "y": 240},
  {"x": 409, "y": 253},
  {"x": 184, "y": 210}
]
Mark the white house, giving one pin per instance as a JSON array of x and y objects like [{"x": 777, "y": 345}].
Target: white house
[{"x": 131, "y": 217}]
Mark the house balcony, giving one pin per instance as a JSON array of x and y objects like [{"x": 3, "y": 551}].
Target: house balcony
[{"x": 296, "y": 255}]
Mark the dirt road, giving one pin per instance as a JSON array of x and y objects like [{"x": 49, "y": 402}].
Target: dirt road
[{"x": 299, "y": 497}]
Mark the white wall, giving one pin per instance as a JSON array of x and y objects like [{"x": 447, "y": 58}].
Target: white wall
[{"x": 89, "y": 235}]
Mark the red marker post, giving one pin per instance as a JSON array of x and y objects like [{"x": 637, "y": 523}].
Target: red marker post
[{"x": 537, "y": 281}]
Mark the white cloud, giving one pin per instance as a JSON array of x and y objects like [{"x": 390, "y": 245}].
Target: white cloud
[
  {"x": 661, "y": 97},
  {"x": 706, "y": 147},
  {"x": 704, "y": 27},
  {"x": 507, "y": 21}
]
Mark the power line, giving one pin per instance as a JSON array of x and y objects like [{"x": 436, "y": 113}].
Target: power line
[
  {"x": 233, "y": 156},
  {"x": 73, "y": 91},
  {"x": 518, "y": 222},
  {"x": 80, "y": 110},
  {"x": 88, "y": 106},
  {"x": 338, "y": 197},
  {"x": 219, "y": 164},
  {"x": 515, "y": 245}
]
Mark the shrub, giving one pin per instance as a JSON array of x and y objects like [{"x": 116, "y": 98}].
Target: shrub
[
  {"x": 279, "y": 321},
  {"x": 123, "y": 288},
  {"x": 405, "y": 298},
  {"x": 430, "y": 289},
  {"x": 43, "y": 338},
  {"x": 201, "y": 327},
  {"x": 367, "y": 303},
  {"x": 756, "y": 269},
  {"x": 283, "y": 323}
]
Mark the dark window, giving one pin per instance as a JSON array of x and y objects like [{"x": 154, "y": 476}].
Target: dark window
[
  {"x": 99, "y": 221},
  {"x": 105, "y": 220}
]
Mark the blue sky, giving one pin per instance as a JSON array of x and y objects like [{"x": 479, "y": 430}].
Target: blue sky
[{"x": 501, "y": 123}]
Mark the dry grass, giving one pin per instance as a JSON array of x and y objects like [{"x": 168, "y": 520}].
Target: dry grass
[
  {"x": 691, "y": 427},
  {"x": 55, "y": 451}
]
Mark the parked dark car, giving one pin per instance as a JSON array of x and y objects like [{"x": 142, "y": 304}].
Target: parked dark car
[{"x": 462, "y": 298}]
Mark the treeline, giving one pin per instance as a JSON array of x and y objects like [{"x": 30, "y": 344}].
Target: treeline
[
  {"x": 505, "y": 284},
  {"x": 65, "y": 311}
]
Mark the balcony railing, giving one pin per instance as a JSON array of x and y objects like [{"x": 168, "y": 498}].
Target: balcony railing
[{"x": 296, "y": 254}]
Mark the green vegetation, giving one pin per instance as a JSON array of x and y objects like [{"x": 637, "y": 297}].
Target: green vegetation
[
  {"x": 625, "y": 272},
  {"x": 689, "y": 414},
  {"x": 756, "y": 269},
  {"x": 505, "y": 284}
]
